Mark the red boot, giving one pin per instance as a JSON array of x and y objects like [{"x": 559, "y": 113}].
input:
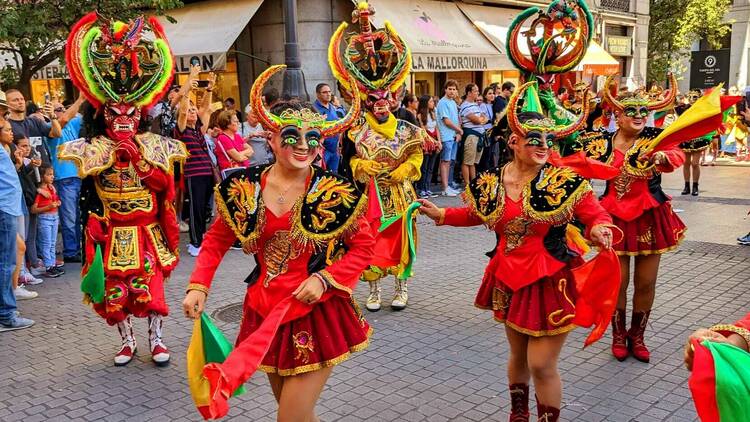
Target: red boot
[
  {"x": 546, "y": 413},
  {"x": 619, "y": 335},
  {"x": 635, "y": 336},
  {"x": 519, "y": 403}
]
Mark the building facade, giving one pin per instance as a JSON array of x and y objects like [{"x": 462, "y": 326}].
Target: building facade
[{"x": 462, "y": 40}]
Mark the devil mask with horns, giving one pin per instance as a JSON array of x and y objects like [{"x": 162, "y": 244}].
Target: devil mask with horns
[
  {"x": 376, "y": 61},
  {"x": 121, "y": 68},
  {"x": 297, "y": 125},
  {"x": 555, "y": 40},
  {"x": 639, "y": 103}
]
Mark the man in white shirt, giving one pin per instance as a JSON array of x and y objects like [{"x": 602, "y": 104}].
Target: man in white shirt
[{"x": 472, "y": 123}]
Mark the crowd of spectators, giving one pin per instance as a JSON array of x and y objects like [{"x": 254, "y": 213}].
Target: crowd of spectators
[{"x": 39, "y": 194}]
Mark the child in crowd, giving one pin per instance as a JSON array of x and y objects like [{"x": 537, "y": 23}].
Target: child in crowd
[{"x": 45, "y": 206}]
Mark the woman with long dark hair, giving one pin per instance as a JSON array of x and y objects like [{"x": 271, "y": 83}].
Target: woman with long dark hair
[{"x": 428, "y": 122}]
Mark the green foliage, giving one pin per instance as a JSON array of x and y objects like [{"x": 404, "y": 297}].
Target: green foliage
[
  {"x": 34, "y": 31},
  {"x": 675, "y": 25}
]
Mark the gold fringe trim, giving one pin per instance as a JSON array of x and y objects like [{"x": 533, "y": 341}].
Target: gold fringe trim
[
  {"x": 320, "y": 365},
  {"x": 197, "y": 286},
  {"x": 562, "y": 214},
  {"x": 680, "y": 238},
  {"x": 539, "y": 333},
  {"x": 106, "y": 148},
  {"x": 742, "y": 332},
  {"x": 332, "y": 281},
  {"x": 304, "y": 238},
  {"x": 490, "y": 220},
  {"x": 249, "y": 242}
]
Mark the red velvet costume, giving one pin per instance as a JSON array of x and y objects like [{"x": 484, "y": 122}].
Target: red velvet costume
[
  {"x": 326, "y": 233},
  {"x": 127, "y": 195},
  {"x": 528, "y": 283},
  {"x": 134, "y": 220},
  {"x": 635, "y": 199},
  {"x": 313, "y": 336}
]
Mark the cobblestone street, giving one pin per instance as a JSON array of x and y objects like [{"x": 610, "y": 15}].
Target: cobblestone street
[{"x": 441, "y": 359}]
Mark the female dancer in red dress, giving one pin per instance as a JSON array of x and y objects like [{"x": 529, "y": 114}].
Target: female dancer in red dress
[
  {"x": 311, "y": 241},
  {"x": 528, "y": 283},
  {"x": 640, "y": 209},
  {"x": 737, "y": 334}
]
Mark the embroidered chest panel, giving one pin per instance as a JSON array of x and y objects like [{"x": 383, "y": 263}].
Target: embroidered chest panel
[
  {"x": 549, "y": 198},
  {"x": 372, "y": 145},
  {"x": 552, "y": 196},
  {"x": 328, "y": 210},
  {"x": 277, "y": 253}
]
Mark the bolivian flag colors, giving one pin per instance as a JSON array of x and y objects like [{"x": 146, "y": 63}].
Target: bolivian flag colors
[
  {"x": 207, "y": 345},
  {"x": 705, "y": 116},
  {"x": 720, "y": 382}
]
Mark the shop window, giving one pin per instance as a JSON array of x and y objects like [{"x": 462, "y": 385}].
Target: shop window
[
  {"x": 227, "y": 83},
  {"x": 54, "y": 87}
]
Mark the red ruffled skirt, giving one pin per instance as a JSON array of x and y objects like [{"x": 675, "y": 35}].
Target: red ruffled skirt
[
  {"x": 324, "y": 337},
  {"x": 656, "y": 231},
  {"x": 543, "y": 308}
]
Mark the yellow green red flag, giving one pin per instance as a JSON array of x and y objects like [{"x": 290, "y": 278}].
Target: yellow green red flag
[{"x": 207, "y": 345}]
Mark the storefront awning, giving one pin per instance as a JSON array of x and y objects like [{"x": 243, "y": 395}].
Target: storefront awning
[
  {"x": 597, "y": 61},
  {"x": 440, "y": 37},
  {"x": 492, "y": 21},
  {"x": 206, "y": 30}
]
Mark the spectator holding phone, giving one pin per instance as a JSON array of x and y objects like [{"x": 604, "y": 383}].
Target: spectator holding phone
[
  {"x": 30, "y": 127},
  {"x": 67, "y": 182},
  {"x": 198, "y": 169}
]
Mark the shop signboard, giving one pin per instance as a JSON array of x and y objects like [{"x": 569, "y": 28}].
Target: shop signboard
[
  {"x": 51, "y": 71},
  {"x": 208, "y": 62},
  {"x": 444, "y": 63},
  {"x": 619, "y": 46},
  {"x": 709, "y": 68}
]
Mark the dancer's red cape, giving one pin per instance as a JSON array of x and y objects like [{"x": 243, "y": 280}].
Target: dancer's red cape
[
  {"x": 598, "y": 284},
  {"x": 720, "y": 382}
]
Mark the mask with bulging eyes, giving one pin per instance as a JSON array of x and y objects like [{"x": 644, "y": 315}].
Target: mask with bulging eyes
[
  {"x": 294, "y": 136},
  {"x": 538, "y": 139},
  {"x": 122, "y": 120}
]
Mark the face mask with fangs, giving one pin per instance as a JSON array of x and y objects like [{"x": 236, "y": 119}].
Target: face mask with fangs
[
  {"x": 122, "y": 120},
  {"x": 377, "y": 103}
]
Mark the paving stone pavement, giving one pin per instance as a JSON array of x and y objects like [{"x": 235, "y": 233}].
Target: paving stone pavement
[{"x": 441, "y": 359}]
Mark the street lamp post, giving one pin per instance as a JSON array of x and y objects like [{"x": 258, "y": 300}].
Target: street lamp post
[{"x": 294, "y": 79}]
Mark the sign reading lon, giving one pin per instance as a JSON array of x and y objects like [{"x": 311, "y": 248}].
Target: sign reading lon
[
  {"x": 709, "y": 68},
  {"x": 619, "y": 46}
]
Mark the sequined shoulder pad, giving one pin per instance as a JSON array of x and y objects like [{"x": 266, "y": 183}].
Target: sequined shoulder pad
[
  {"x": 240, "y": 204},
  {"x": 91, "y": 156},
  {"x": 329, "y": 210},
  {"x": 486, "y": 197},
  {"x": 161, "y": 151},
  {"x": 632, "y": 166},
  {"x": 553, "y": 195},
  {"x": 410, "y": 133},
  {"x": 597, "y": 145}
]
